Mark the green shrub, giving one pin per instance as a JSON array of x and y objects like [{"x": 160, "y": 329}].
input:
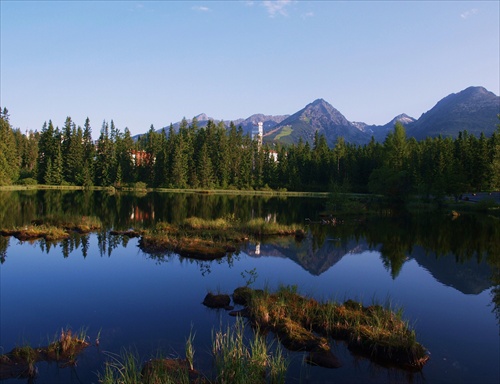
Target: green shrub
[
  {"x": 140, "y": 185},
  {"x": 27, "y": 181}
]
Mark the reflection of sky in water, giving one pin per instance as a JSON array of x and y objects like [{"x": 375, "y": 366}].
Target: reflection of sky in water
[{"x": 151, "y": 306}]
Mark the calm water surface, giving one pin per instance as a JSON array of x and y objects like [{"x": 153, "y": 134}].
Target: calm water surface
[{"x": 441, "y": 271}]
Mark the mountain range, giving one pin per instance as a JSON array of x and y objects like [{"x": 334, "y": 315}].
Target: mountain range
[{"x": 474, "y": 109}]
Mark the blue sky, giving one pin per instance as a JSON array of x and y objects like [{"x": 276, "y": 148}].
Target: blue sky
[{"x": 141, "y": 63}]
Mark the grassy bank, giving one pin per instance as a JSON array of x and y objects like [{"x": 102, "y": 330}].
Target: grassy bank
[{"x": 251, "y": 192}]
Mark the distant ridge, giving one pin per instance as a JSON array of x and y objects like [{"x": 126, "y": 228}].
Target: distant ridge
[{"x": 474, "y": 109}]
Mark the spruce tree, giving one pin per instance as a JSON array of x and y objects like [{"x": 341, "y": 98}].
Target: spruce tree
[{"x": 9, "y": 157}]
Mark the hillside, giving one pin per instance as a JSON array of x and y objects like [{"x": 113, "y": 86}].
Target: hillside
[{"x": 474, "y": 109}]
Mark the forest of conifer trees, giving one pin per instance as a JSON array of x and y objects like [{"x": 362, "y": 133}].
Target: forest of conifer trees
[{"x": 216, "y": 157}]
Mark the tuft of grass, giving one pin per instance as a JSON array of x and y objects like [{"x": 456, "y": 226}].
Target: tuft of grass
[
  {"x": 190, "y": 349},
  {"x": 261, "y": 227},
  {"x": 121, "y": 369},
  {"x": 237, "y": 361}
]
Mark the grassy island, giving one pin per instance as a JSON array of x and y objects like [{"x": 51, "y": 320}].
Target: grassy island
[
  {"x": 53, "y": 229},
  {"x": 300, "y": 324},
  {"x": 303, "y": 323},
  {"x": 20, "y": 362},
  {"x": 210, "y": 239}
]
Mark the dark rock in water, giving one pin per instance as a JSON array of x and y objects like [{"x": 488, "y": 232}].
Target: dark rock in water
[
  {"x": 325, "y": 359},
  {"x": 242, "y": 295},
  {"x": 217, "y": 301},
  {"x": 300, "y": 234},
  {"x": 130, "y": 233}
]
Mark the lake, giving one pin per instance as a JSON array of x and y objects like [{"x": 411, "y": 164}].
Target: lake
[{"x": 442, "y": 270}]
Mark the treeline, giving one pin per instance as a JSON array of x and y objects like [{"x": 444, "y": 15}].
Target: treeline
[{"x": 217, "y": 157}]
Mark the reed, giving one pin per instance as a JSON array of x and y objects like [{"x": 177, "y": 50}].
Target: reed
[
  {"x": 237, "y": 361},
  {"x": 377, "y": 332}
]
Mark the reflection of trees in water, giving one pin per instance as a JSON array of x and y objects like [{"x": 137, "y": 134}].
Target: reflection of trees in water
[
  {"x": 108, "y": 243},
  {"x": 467, "y": 237},
  {"x": 10, "y": 209},
  {"x": 4, "y": 244},
  {"x": 204, "y": 265},
  {"x": 122, "y": 210}
]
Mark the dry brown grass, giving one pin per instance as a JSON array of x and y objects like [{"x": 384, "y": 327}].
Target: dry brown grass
[{"x": 301, "y": 324}]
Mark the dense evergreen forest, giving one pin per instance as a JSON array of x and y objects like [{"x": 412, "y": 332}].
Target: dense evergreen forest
[{"x": 217, "y": 157}]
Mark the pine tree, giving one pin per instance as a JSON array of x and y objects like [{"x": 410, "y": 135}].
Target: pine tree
[
  {"x": 57, "y": 167},
  {"x": 495, "y": 164},
  {"x": 104, "y": 157},
  {"x": 179, "y": 163},
  {"x": 124, "y": 147},
  {"x": 47, "y": 149},
  {"x": 28, "y": 148},
  {"x": 204, "y": 168},
  {"x": 9, "y": 157},
  {"x": 88, "y": 155},
  {"x": 72, "y": 153},
  {"x": 222, "y": 156}
]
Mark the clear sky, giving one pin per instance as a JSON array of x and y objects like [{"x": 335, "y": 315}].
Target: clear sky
[{"x": 154, "y": 62}]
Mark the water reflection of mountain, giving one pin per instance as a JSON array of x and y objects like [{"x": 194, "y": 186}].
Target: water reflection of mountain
[
  {"x": 307, "y": 254},
  {"x": 468, "y": 277}
]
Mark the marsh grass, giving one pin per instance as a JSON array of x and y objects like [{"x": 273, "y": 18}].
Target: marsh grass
[
  {"x": 20, "y": 362},
  {"x": 236, "y": 360},
  {"x": 67, "y": 348},
  {"x": 240, "y": 361},
  {"x": 301, "y": 323},
  {"x": 190, "y": 349},
  {"x": 53, "y": 228},
  {"x": 121, "y": 369},
  {"x": 126, "y": 368},
  {"x": 33, "y": 232},
  {"x": 210, "y": 239},
  {"x": 261, "y": 227}
]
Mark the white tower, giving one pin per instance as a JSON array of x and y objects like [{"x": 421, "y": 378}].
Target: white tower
[{"x": 261, "y": 132}]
